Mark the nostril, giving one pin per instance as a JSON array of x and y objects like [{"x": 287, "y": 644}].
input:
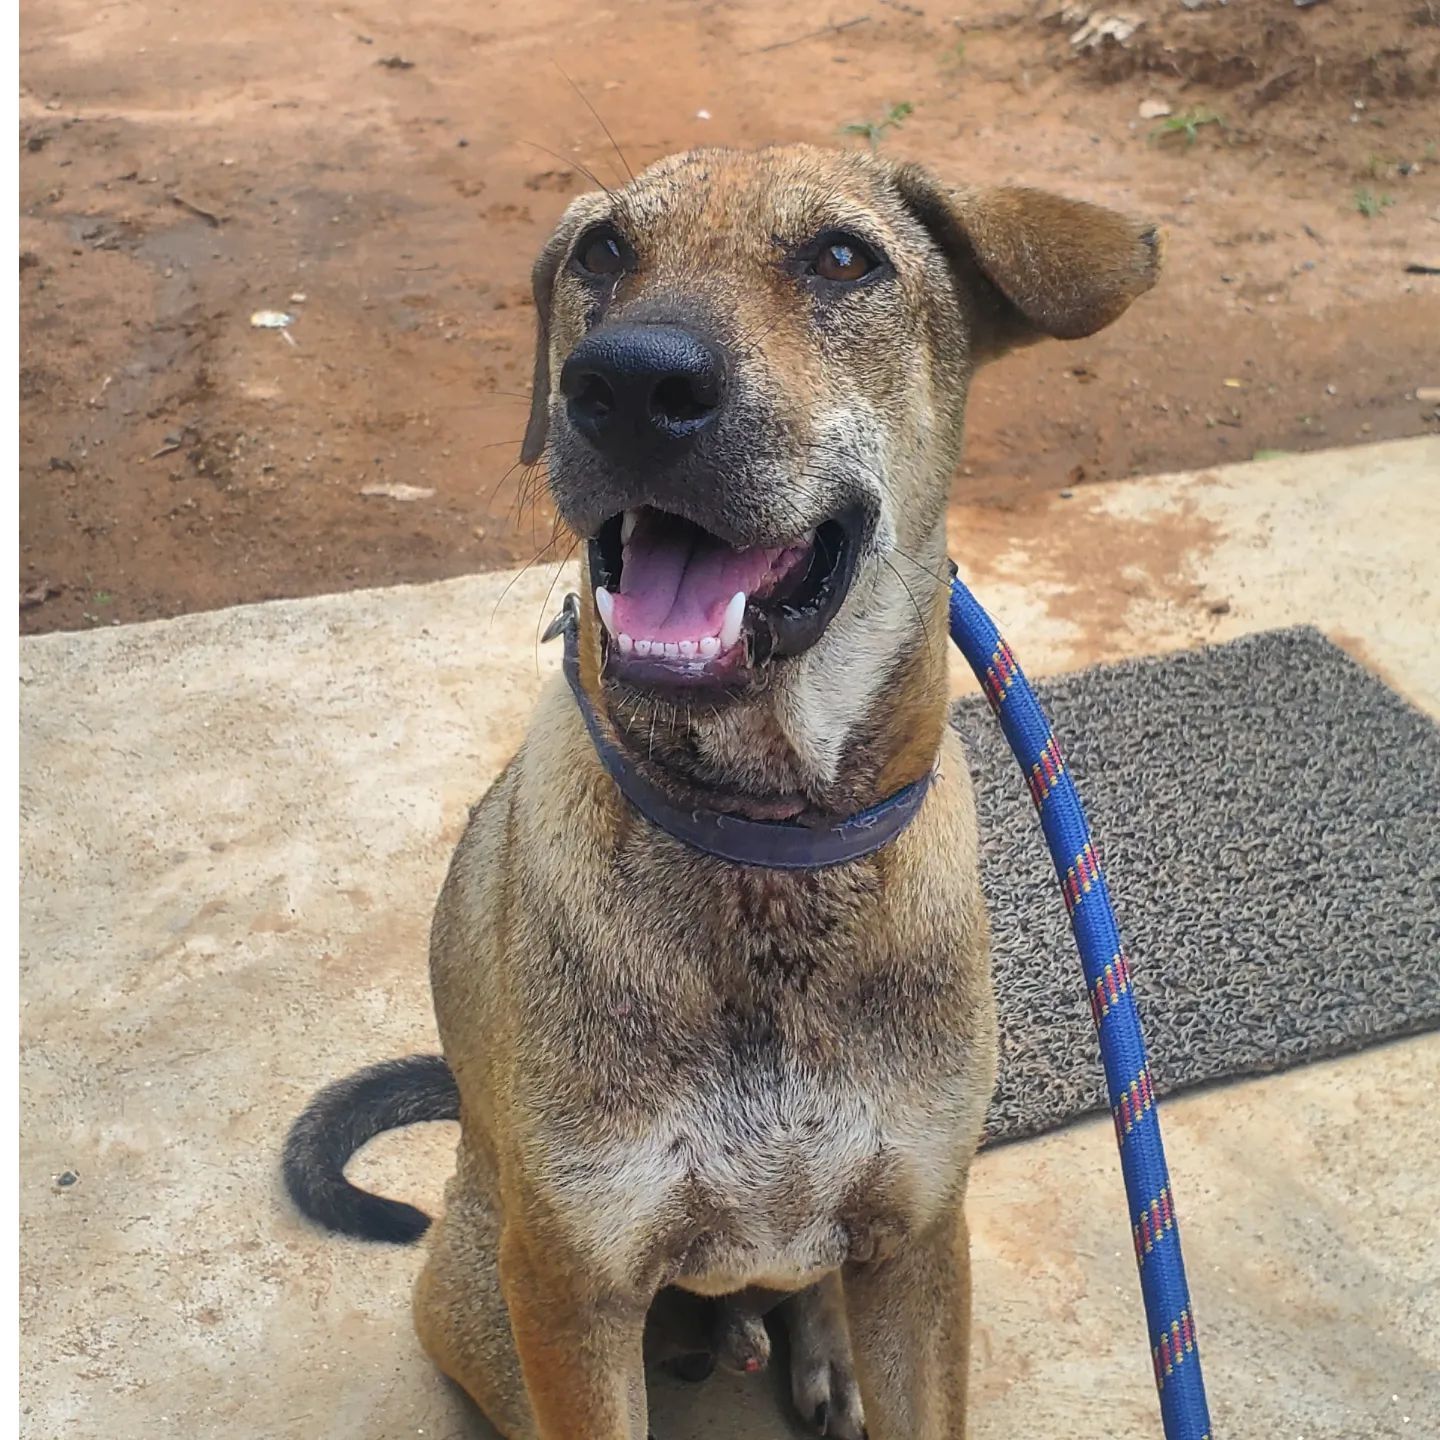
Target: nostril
[
  {"x": 681, "y": 400},
  {"x": 593, "y": 397}
]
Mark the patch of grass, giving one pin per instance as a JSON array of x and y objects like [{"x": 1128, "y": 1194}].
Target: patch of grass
[
  {"x": 1188, "y": 123},
  {"x": 953, "y": 57},
  {"x": 1271, "y": 454},
  {"x": 102, "y": 597},
  {"x": 1432, "y": 152},
  {"x": 1369, "y": 204},
  {"x": 874, "y": 131}
]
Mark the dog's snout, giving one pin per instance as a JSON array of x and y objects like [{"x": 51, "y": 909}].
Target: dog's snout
[{"x": 634, "y": 389}]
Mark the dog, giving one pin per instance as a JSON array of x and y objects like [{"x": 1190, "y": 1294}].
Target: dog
[{"x": 695, "y": 1085}]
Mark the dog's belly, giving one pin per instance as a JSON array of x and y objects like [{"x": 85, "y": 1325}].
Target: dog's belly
[{"x": 776, "y": 1184}]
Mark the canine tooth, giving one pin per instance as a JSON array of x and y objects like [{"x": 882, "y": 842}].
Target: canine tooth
[
  {"x": 642, "y": 647},
  {"x": 710, "y": 646},
  {"x": 605, "y": 604},
  {"x": 734, "y": 616},
  {"x": 687, "y": 648},
  {"x": 626, "y": 644},
  {"x": 627, "y": 526},
  {"x": 672, "y": 650}
]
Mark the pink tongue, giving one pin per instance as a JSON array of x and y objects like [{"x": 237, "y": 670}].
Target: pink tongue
[{"x": 675, "y": 583}]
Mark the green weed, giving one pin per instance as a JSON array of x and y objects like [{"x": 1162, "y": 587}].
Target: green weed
[
  {"x": 1188, "y": 123},
  {"x": 874, "y": 131}
]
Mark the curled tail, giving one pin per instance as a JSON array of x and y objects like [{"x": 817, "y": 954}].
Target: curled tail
[{"x": 342, "y": 1118}]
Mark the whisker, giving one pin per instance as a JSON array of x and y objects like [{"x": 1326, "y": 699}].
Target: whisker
[
  {"x": 545, "y": 604},
  {"x": 483, "y": 400},
  {"x": 509, "y": 471},
  {"x": 584, "y": 100},
  {"x": 519, "y": 574},
  {"x": 575, "y": 165},
  {"x": 924, "y": 626}
]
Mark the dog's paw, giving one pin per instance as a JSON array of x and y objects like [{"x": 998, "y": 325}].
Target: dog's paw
[
  {"x": 828, "y": 1400},
  {"x": 822, "y": 1371}
]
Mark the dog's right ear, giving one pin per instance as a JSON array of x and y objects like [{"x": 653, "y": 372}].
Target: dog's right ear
[{"x": 542, "y": 285}]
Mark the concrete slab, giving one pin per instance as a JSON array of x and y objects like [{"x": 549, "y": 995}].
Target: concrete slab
[
  {"x": 234, "y": 826},
  {"x": 1344, "y": 541}
]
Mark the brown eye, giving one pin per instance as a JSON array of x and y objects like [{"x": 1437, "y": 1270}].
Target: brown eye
[
  {"x": 600, "y": 254},
  {"x": 844, "y": 260}
]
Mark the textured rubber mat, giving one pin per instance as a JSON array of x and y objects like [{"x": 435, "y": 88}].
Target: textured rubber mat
[{"x": 1268, "y": 813}]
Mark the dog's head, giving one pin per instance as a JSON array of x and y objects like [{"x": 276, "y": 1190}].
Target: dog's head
[{"x": 750, "y": 385}]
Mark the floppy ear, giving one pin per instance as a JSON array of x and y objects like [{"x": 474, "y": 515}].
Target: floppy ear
[
  {"x": 542, "y": 286},
  {"x": 1032, "y": 263}
]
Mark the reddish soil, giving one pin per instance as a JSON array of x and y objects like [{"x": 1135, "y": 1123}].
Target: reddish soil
[{"x": 398, "y": 167}]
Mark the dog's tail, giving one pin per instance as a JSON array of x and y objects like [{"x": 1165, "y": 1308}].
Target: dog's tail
[{"x": 342, "y": 1118}]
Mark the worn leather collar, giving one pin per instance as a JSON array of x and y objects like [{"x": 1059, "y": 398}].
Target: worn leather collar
[{"x": 764, "y": 844}]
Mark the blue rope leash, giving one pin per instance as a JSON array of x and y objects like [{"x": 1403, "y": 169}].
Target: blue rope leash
[{"x": 1171, "y": 1323}]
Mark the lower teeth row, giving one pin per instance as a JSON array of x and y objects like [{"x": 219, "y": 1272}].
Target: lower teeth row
[{"x": 707, "y": 648}]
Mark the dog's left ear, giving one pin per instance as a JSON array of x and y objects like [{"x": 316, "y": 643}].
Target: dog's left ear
[{"x": 1034, "y": 264}]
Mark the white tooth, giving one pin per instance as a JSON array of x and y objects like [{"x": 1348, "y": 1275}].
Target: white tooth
[
  {"x": 626, "y": 644},
  {"x": 627, "y": 526},
  {"x": 642, "y": 647},
  {"x": 734, "y": 616},
  {"x": 710, "y": 646},
  {"x": 672, "y": 651},
  {"x": 687, "y": 648},
  {"x": 605, "y": 604}
]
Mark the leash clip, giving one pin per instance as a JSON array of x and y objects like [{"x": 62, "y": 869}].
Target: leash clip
[{"x": 567, "y": 619}]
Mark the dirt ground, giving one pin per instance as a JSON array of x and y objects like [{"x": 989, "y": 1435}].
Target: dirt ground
[{"x": 385, "y": 175}]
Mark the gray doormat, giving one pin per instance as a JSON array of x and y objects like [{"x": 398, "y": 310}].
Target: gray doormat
[{"x": 1268, "y": 813}]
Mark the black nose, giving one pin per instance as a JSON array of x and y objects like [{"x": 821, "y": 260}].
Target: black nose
[{"x": 636, "y": 390}]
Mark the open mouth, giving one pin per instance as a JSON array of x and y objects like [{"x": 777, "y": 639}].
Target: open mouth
[{"x": 682, "y": 607}]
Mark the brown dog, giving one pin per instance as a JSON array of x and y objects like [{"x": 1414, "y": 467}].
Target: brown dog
[{"x": 675, "y": 1072}]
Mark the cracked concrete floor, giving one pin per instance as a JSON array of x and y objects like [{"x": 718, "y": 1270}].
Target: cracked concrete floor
[{"x": 234, "y": 825}]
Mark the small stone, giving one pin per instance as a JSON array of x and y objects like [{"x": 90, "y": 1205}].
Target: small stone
[
  {"x": 1154, "y": 109},
  {"x": 398, "y": 491},
  {"x": 66, "y": 1178}
]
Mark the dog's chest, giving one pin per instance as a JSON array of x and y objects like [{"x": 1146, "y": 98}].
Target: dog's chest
[
  {"x": 787, "y": 1092},
  {"x": 764, "y": 1177}
]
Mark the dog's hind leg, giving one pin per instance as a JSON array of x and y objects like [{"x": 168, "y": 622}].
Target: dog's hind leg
[
  {"x": 909, "y": 1317},
  {"x": 460, "y": 1313},
  {"x": 822, "y": 1369}
]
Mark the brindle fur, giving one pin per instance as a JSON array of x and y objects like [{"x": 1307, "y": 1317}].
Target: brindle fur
[{"x": 678, "y": 1072}]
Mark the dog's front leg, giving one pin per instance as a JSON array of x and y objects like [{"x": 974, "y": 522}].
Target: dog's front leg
[
  {"x": 580, "y": 1346},
  {"x": 910, "y": 1328}
]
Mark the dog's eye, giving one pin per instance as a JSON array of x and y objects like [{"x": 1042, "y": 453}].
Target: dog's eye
[
  {"x": 599, "y": 253},
  {"x": 844, "y": 259}
]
